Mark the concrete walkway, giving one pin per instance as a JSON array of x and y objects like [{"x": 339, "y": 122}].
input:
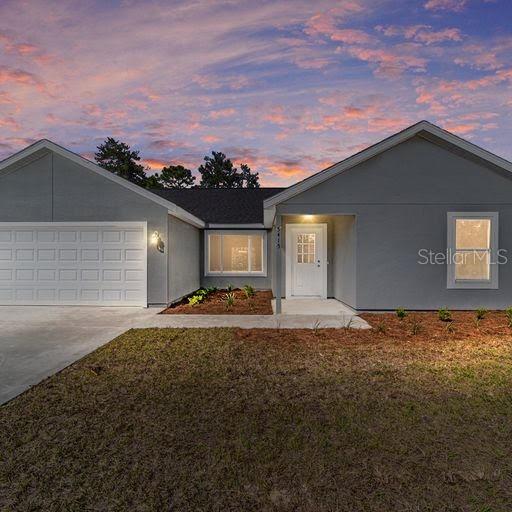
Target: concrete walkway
[
  {"x": 38, "y": 341},
  {"x": 257, "y": 321}
]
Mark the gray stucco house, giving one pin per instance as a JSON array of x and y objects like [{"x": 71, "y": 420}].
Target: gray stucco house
[{"x": 422, "y": 220}]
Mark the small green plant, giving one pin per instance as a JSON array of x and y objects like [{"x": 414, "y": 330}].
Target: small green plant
[
  {"x": 480, "y": 313},
  {"x": 249, "y": 291},
  {"x": 230, "y": 288},
  {"x": 416, "y": 327},
  {"x": 198, "y": 297},
  {"x": 444, "y": 315},
  {"x": 195, "y": 299},
  {"x": 508, "y": 312},
  {"x": 380, "y": 328},
  {"x": 211, "y": 289},
  {"x": 229, "y": 299},
  {"x": 401, "y": 313}
]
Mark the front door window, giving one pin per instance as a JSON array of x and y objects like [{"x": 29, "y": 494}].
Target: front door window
[{"x": 306, "y": 247}]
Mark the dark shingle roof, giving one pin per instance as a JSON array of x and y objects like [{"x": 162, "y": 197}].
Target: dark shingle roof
[{"x": 221, "y": 205}]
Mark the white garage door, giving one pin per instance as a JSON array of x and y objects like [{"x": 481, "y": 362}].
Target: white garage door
[{"x": 73, "y": 263}]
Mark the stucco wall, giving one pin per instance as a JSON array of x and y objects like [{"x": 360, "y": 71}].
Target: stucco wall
[
  {"x": 401, "y": 199},
  {"x": 344, "y": 259},
  {"x": 26, "y": 190},
  {"x": 184, "y": 258},
  {"x": 53, "y": 188}
]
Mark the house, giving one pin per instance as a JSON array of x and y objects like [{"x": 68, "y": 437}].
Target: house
[{"x": 422, "y": 220}]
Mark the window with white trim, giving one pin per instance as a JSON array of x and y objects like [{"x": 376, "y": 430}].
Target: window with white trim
[
  {"x": 236, "y": 252},
  {"x": 472, "y": 250}
]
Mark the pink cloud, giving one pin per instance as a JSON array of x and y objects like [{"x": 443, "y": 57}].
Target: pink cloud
[
  {"x": 390, "y": 62},
  {"x": 222, "y": 113},
  {"x": 485, "y": 57},
  {"x": 10, "y": 124},
  {"x": 422, "y": 33},
  {"x": 20, "y": 77},
  {"x": 234, "y": 83},
  {"x": 276, "y": 115},
  {"x": 324, "y": 24},
  {"x": 210, "y": 139},
  {"x": 167, "y": 144},
  {"x": 359, "y": 112},
  {"x": 155, "y": 164},
  {"x": 446, "y": 5}
]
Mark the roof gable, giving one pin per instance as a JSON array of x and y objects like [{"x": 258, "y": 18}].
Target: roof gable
[
  {"x": 416, "y": 129},
  {"x": 26, "y": 153}
]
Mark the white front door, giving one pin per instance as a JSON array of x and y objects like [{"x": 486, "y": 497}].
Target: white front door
[{"x": 306, "y": 261}]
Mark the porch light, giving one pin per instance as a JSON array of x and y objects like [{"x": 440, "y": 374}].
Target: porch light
[
  {"x": 308, "y": 217},
  {"x": 157, "y": 241}
]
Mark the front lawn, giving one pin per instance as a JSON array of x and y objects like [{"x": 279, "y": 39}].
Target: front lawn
[{"x": 393, "y": 419}]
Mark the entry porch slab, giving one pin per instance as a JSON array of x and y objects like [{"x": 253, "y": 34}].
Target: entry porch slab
[{"x": 313, "y": 307}]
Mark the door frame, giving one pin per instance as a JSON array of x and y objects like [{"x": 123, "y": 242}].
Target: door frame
[{"x": 290, "y": 228}]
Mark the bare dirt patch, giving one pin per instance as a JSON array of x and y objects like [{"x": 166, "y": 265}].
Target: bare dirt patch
[{"x": 215, "y": 304}]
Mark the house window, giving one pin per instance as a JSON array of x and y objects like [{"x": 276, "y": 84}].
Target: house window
[
  {"x": 472, "y": 250},
  {"x": 235, "y": 252}
]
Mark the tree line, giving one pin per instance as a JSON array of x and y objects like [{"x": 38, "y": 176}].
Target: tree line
[{"x": 217, "y": 171}]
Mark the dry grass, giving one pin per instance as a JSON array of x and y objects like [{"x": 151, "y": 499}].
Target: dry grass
[{"x": 269, "y": 420}]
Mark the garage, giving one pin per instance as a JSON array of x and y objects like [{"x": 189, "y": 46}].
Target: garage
[
  {"x": 73, "y": 233},
  {"x": 73, "y": 263}
]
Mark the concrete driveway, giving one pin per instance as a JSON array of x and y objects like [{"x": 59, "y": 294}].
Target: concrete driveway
[{"x": 37, "y": 341}]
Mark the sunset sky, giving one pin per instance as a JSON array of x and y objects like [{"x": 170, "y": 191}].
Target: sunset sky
[{"x": 286, "y": 86}]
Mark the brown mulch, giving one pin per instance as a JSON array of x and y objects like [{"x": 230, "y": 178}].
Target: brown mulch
[
  {"x": 426, "y": 326},
  {"x": 215, "y": 304}
]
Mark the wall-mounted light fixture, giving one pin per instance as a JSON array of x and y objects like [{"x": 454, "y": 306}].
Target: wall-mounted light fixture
[{"x": 157, "y": 241}]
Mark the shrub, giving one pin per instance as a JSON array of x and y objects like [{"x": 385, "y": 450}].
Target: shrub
[
  {"x": 508, "y": 312},
  {"x": 381, "y": 327},
  {"x": 249, "y": 291},
  {"x": 211, "y": 289},
  {"x": 229, "y": 299},
  {"x": 416, "y": 327},
  {"x": 401, "y": 313},
  {"x": 480, "y": 313},
  {"x": 444, "y": 315},
  {"x": 195, "y": 299}
]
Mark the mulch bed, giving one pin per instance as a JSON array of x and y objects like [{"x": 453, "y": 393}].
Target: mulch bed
[
  {"x": 215, "y": 304},
  {"x": 427, "y": 326}
]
